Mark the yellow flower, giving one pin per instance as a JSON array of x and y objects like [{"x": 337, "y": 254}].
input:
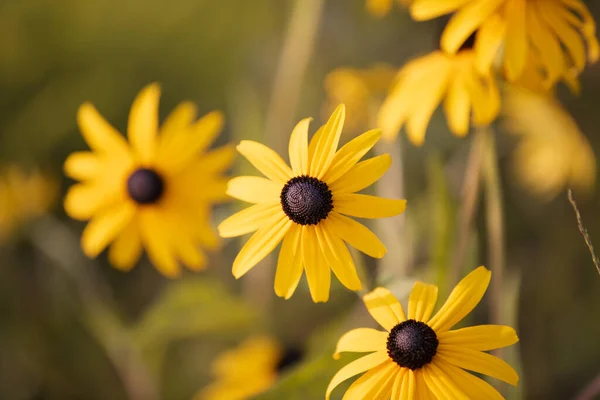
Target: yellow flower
[
  {"x": 420, "y": 357},
  {"x": 23, "y": 197},
  {"x": 305, "y": 206},
  {"x": 552, "y": 153},
  {"x": 359, "y": 90},
  {"x": 154, "y": 192},
  {"x": 380, "y": 8},
  {"x": 423, "y": 83},
  {"x": 554, "y": 32},
  {"x": 249, "y": 369}
]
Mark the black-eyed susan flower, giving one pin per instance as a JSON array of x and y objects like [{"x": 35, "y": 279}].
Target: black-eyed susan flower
[
  {"x": 380, "y": 8},
  {"x": 552, "y": 152},
  {"x": 422, "y": 84},
  {"x": 421, "y": 357},
  {"x": 153, "y": 191},
  {"x": 250, "y": 369},
  {"x": 307, "y": 206},
  {"x": 361, "y": 90},
  {"x": 559, "y": 34},
  {"x": 24, "y": 196}
]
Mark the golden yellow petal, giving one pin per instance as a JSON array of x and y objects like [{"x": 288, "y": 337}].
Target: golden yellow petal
[
  {"x": 337, "y": 256},
  {"x": 318, "y": 273},
  {"x": 549, "y": 50},
  {"x": 422, "y": 390},
  {"x": 260, "y": 245},
  {"x": 488, "y": 41},
  {"x": 99, "y": 134},
  {"x": 463, "y": 299},
  {"x": 422, "y": 301},
  {"x": 254, "y": 189},
  {"x": 298, "y": 148},
  {"x": 482, "y": 337},
  {"x": 422, "y": 10},
  {"x": 266, "y": 161},
  {"x": 327, "y": 143},
  {"x": 384, "y": 307},
  {"x": 346, "y": 157},
  {"x": 250, "y": 219},
  {"x": 362, "y": 175},
  {"x": 82, "y": 165},
  {"x": 105, "y": 227},
  {"x": 553, "y": 12},
  {"x": 143, "y": 123},
  {"x": 289, "y": 265},
  {"x": 356, "y": 367},
  {"x": 458, "y": 108},
  {"x": 361, "y": 340},
  {"x": 408, "y": 388},
  {"x": 376, "y": 384},
  {"x": 156, "y": 239},
  {"x": 215, "y": 161},
  {"x": 366, "y": 206},
  {"x": 398, "y": 386},
  {"x": 472, "y": 386},
  {"x": 478, "y": 361},
  {"x": 356, "y": 234},
  {"x": 516, "y": 45},
  {"x": 177, "y": 121},
  {"x": 441, "y": 385},
  {"x": 126, "y": 250},
  {"x": 84, "y": 200}
]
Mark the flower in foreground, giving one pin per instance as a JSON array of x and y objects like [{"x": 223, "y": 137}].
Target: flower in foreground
[
  {"x": 554, "y": 32},
  {"x": 307, "y": 206},
  {"x": 419, "y": 356},
  {"x": 153, "y": 192},
  {"x": 424, "y": 83},
  {"x": 250, "y": 369}
]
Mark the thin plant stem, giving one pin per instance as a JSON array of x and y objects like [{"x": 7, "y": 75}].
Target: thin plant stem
[{"x": 583, "y": 231}]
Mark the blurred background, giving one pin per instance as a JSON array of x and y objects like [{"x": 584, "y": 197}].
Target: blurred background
[{"x": 72, "y": 328}]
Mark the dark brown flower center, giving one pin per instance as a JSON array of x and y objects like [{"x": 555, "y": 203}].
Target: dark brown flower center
[
  {"x": 145, "y": 186},
  {"x": 290, "y": 357},
  {"x": 306, "y": 200},
  {"x": 412, "y": 344}
]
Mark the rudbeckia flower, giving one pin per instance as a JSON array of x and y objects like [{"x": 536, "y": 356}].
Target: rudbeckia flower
[
  {"x": 153, "y": 191},
  {"x": 421, "y": 357},
  {"x": 424, "y": 83},
  {"x": 24, "y": 196},
  {"x": 554, "y": 32},
  {"x": 380, "y": 8},
  {"x": 307, "y": 206},
  {"x": 552, "y": 152},
  {"x": 250, "y": 369}
]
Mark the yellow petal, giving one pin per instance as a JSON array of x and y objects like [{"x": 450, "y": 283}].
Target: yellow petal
[
  {"x": 366, "y": 206},
  {"x": 422, "y": 391},
  {"x": 488, "y": 41},
  {"x": 384, "y": 307},
  {"x": 376, "y": 384},
  {"x": 265, "y": 160},
  {"x": 440, "y": 384},
  {"x": 250, "y": 219},
  {"x": 350, "y": 154},
  {"x": 127, "y": 248},
  {"x": 549, "y": 51},
  {"x": 422, "y": 10},
  {"x": 482, "y": 337},
  {"x": 318, "y": 273},
  {"x": 178, "y": 120},
  {"x": 478, "y": 361},
  {"x": 361, "y": 340},
  {"x": 466, "y": 21},
  {"x": 463, "y": 299},
  {"x": 84, "y": 200},
  {"x": 570, "y": 38},
  {"x": 458, "y": 108},
  {"x": 312, "y": 145},
  {"x": 485, "y": 98},
  {"x": 99, "y": 134},
  {"x": 356, "y": 367},
  {"x": 289, "y": 265},
  {"x": 515, "y": 50},
  {"x": 328, "y": 143},
  {"x": 357, "y": 235},
  {"x": 82, "y": 165},
  {"x": 298, "y": 147},
  {"x": 155, "y": 238},
  {"x": 143, "y": 123},
  {"x": 422, "y": 301},
  {"x": 215, "y": 161},
  {"x": 472, "y": 386},
  {"x": 254, "y": 189},
  {"x": 398, "y": 385},
  {"x": 362, "y": 175},
  {"x": 337, "y": 256},
  {"x": 408, "y": 388},
  {"x": 105, "y": 227},
  {"x": 260, "y": 245}
]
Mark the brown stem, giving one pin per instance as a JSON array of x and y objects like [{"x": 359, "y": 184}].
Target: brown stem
[{"x": 583, "y": 231}]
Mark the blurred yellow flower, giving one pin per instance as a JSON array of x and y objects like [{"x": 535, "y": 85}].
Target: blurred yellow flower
[
  {"x": 554, "y": 32},
  {"x": 249, "y": 369},
  {"x": 361, "y": 90},
  {"x": 419, "y": 356},
  {"x": 153, "y": 192},
  {"x": 306, "y": 207},
  {"x": 552, "y": 153},
  {"x": 381, "y": 8},
  {"x": 423, "y": 83},
  {"x": 23, "y": 197}
]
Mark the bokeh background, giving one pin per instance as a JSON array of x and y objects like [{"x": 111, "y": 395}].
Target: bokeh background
[{"x": 72, "y": 328}]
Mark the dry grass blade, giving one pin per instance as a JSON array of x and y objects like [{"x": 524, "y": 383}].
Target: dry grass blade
[{"x": 584, "y": 231}]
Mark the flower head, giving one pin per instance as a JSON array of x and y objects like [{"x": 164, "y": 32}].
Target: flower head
[
  {"x": 154, "y": 191},
  {"x": 554, "y": 32},
  {"x": 250, "y": 369},
  {"x": 307, "y": 206},
  {"x": 423, "y": 83},
  {"x": 418, "y": 356},
  {"x": 23, "y": 197}
]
